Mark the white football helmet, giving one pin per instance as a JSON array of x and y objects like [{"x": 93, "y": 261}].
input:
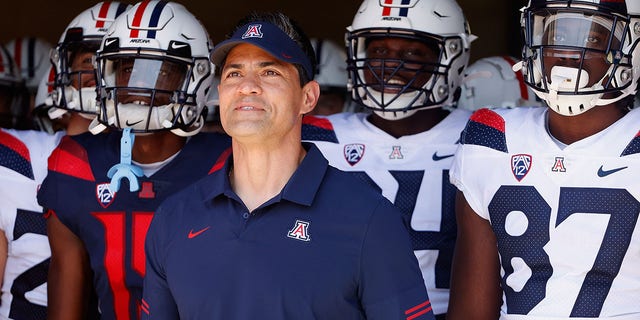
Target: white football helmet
[
  {"x": 332, "y": 64},
  {"x": 154, "y": 71},
  {"x": 331, "y": 71},
  {"x": 213, "y": 101},
  {"x": 582, "y": 34},
  {"x": 491, "y": 82},
  {"x": 31, "y": 55},
  {"x": 14, "y": 97},
  {"x": 439, "y": 23},
  {"x": 75, "y": 88}
]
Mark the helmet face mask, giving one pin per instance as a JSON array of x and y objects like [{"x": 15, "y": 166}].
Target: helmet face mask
[
  {"x": 148, "y": 93},
  {"x": 73, "y": 57},
  {"x": 154, "y": 74},
  {"x": 76, "y": 81},
  {"x": 579, "y": 55},
  {"x": 425, "y": 73}
]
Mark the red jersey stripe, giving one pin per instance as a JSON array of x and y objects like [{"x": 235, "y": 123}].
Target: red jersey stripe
[
  {"x": 318, "y": 122},
  {"x": 71, "y": 158},
  {"x": 415, "y": 315},
  {"x": 14, "y": 144}
]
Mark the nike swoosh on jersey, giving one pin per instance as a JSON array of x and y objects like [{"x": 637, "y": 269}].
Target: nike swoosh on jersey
[
  {"x": 603, "y": 173},
  {"x": 197, "y": 233},
  {"x": 436, "y": 157}
]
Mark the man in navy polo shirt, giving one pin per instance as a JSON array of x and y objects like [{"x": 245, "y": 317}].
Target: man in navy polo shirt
[{"x": 275, "y": 232}]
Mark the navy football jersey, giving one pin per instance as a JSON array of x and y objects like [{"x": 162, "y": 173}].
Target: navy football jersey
[{"x": 113, "y": 225}]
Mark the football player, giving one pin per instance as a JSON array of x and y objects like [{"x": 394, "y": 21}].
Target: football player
[
  {"x": 549, "y": 199},
  {"x": 101, "y": 190},
  {"x": 23, "y": 154},
  {"x": 405, "y": 62}
]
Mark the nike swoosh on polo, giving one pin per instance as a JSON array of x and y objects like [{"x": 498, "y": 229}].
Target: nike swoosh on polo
[
  {"x": 132, "y": 124},
  {"x": 603, "y": 173},
  {"x": 436, "y": 157},
  {"x": 197, "y": 233}
]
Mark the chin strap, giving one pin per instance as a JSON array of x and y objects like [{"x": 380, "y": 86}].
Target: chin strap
[{"x": 125, "y": 169}]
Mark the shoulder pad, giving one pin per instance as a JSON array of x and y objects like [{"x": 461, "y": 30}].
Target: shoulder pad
[
  {"x": 318, "y": 129},
  {"x": 485, "y": 128}
]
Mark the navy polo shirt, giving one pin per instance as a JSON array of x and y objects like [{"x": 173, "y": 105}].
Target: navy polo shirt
[{"x": 326, "y": 247}]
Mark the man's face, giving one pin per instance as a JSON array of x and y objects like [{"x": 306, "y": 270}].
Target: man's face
[
  {"x": 578, "y": 33},
  {"x": 82, "y": 74},
  {"x": 261, "y": 97},
  {"x": 397, "y": 61},
  {"x": 141, "y": 76}
]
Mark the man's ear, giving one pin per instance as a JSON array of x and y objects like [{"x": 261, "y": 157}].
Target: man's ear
[{"x": 311, "y": 94}]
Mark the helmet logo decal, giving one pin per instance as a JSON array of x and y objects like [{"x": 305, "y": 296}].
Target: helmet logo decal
[
  {"x": 353, "y": 153},
  {"x": 388, "y": 11},
  {"x": 253, "y": 31},
  {"x": 154, "y": 18},
  {"x": 520, "y": 165}
]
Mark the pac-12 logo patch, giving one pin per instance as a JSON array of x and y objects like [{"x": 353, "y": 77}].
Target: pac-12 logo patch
[
  {"x": 300, "y": 231},
  {"x": 353, "y": 153},
  {"x": 104, "y": 195},
  {"x": 520, "y": 165}
]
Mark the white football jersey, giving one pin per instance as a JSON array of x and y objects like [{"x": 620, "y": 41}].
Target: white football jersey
[
  {"x": 23, "y": 166},
  {"x": 412, "y": 172},
  {"x": 566, "y": 219}
]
